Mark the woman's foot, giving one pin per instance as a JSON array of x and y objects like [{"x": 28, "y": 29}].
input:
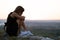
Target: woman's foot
[{"x": 25, "y": 34}]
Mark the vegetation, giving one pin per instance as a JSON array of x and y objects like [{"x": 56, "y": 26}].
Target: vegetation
[{"x": 39, "y": 32}]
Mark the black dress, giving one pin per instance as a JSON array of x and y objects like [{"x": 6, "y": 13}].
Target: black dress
[{"x": 12, "y": 26}]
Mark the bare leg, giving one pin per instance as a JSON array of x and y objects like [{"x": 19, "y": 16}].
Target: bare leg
[{"x": 21, "y": 24}]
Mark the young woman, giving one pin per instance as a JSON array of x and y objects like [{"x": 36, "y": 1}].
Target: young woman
[{"x": 14, "y": 21}]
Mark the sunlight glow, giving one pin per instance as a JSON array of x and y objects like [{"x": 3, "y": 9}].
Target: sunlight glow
[{"x": 34, "y": 9}]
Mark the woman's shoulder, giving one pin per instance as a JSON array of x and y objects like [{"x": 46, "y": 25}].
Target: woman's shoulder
[{"x": 11, "y": 14}]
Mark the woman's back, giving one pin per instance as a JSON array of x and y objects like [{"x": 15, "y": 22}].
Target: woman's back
[{"x": 12, "y": 26}]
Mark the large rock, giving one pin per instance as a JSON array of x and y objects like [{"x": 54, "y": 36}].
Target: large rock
[
  {"x": 39, "y": 38},
  {"x": 35, "y": 38}
]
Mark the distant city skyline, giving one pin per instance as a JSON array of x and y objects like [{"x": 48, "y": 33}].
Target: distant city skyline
[{"x": 34, "y": 9}]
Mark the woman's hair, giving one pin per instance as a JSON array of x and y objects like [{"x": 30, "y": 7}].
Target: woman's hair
[{"x": 19, "y": 9}]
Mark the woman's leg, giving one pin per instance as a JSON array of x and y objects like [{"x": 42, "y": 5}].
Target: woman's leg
[
  {"x": 21, "y": 24},
  {"x": 24, "y": 26}
]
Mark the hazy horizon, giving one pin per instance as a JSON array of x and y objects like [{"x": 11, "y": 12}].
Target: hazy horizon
[{"x": 40, "y": 24}]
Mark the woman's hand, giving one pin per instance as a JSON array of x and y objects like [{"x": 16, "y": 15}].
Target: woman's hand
[{"x": 22, "y": 18}]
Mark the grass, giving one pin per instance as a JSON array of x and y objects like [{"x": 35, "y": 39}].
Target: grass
[
  {"x": 46, "y": 33},
  {"x": 10, "y": 38},
  {"x": 37, "y": 32}
]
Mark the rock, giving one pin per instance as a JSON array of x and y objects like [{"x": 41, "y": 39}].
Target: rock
[
  {"x": 46, "y": 38},
  {"x": 35, "y": 38},
  {"x": 39, "y": 38}
]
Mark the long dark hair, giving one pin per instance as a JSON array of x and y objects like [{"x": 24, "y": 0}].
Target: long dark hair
[{"x": 19, "y": 9}]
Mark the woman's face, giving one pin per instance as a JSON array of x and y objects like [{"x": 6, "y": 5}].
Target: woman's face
[{"x": 20, "y": 13}]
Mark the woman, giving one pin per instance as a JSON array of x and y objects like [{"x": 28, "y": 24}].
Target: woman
[{"x": 14, "y": 21}]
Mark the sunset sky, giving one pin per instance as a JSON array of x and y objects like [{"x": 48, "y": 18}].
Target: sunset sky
[{"x": 34, "y": 9}]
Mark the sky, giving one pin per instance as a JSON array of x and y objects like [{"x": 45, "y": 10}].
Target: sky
[{"x": 34, "y": 9}]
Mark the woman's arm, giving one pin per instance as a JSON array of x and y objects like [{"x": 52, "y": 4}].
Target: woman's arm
[{"x": 17, "y": 16}]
